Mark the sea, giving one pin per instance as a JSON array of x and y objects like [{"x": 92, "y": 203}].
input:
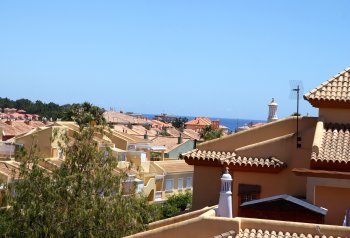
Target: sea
[{"x": 231, "y": 123}]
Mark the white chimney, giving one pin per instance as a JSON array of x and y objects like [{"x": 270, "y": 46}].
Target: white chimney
[
  {"x": 225, "y": 201},
  {"x": 272, "y": 111}
]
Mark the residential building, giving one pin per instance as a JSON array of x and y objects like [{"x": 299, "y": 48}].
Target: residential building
[
  {"x": 217, "y": 221},
  {"x": 270, "y": 160},
  {"x": 176, "y": 178},
  {"x": 120, "y": 118},
  {"x": 199, "y": 123}
]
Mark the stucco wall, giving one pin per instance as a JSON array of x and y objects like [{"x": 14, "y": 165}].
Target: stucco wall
[
  {"x": 40, "y": 138},
  {"x": 118, "y": 142},
  {"x": 336, "y": 200},
  {"x": 206, "y": 186},
  {"x": 335, "y": 115},
  {"x": 175, "y": 177}
]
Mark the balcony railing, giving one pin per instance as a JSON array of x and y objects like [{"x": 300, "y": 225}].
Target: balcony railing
[{"x": 158, "y": 196}]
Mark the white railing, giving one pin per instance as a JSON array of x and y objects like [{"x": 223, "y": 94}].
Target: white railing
[
  {"x": 158, "y": 196},
  {"x": 7, "y": 150}
]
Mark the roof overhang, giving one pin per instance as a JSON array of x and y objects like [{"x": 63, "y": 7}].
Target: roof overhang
[
  {"x": 321, "y": 173},
  {"x": 328, "y": 103}
]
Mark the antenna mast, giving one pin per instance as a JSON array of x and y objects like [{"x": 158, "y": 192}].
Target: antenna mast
[
  {"x": 297, "y": 88},
  {"x": 298, "y": 138}
]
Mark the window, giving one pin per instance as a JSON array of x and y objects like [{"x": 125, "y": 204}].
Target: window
[
  {"x": 169, "y": 185},
  {"x": 180, "y": 184},
  {"x": 189, "y": 182},
  {"x": 248, "y": 192}
]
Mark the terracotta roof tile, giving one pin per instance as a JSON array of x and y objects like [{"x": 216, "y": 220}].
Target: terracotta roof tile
[
  {"x": 175, "y": 166},
  {"x": 260, "y": 233},
  {"x": 228, "y": 158},
  {"x": 122, "y": 118},
  {"x": 335, "y": 145},
  {"x": 199, "y": 121},
  {"x": 169, "y": 142},
  {"x": 335, "y": 89}
]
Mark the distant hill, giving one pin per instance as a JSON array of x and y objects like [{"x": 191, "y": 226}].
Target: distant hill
[{"x": 48, "y": 110}]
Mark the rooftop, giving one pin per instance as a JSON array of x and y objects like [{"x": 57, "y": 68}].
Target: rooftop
[
  {"x": 231, "y": 159},
  {"x": 334, "y": 90},
  {"x": 334, "y": 146}
]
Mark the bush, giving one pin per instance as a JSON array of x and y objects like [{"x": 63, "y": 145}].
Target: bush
[{"x": 176, "y": 203}]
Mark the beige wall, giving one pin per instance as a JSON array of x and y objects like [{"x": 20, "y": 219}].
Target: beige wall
[
  {"x": 46, "y": 140},
  {"x": 175, "y": 177},
  {"x": 334, "y": 115},
  {"x": 118, "y": 142},
  {"x": 336, "y": 200},
  {"x": 206, "y": 186},
  {"x": 40, "y": 138}
]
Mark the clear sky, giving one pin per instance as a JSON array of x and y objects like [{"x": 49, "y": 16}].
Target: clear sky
[{"x": 211, "y": 58}]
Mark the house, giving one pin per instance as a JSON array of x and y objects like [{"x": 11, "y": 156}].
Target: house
[
  {"x": 176, "y": 178},
  {"x": 273, "y": 159},
  {"x": 174, "y": 145},
  {"x": 12, "y": 128},
  {"x": 217, "y": 221},
  {"x": 120, "y": 118},
  {"x": 199, "y": 123}
]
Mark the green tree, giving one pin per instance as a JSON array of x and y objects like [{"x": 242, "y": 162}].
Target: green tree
[
  {"x": 179, "y": 122},
  {"x": 84, "y": 114},
  {"x": 81, "y": 198},
  {"x": 208, "y": 133}
]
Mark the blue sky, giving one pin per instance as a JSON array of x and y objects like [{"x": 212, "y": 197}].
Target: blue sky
[{"x": 211, "y": 58}]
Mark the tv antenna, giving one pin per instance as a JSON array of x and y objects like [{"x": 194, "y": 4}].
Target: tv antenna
[{"x": 296, "y": 90}]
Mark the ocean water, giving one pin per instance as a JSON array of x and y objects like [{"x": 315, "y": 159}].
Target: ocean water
[{"x": 231, "y": 123}]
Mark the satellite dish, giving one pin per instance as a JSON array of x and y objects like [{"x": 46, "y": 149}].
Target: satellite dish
[{"x": 297, "y": 89}]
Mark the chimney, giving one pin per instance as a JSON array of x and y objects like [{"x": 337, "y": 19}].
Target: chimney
[
  {"x": 272, "y": 111},
  {"x": 9, "y": 122},
  {"x": 225, "y": 201},
  {"x": 195, "y": 144},
  {"x": 179, "y": 139},
  {"x": 145, "y": 136}
]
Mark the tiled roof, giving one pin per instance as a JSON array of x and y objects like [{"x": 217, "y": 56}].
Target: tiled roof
[
  {"x": 160, "y": 123},
  {"x": 335, "y": 146},
  {"x": 259, "y": 233},
  {"x": 121, "y": 118},
  {"x": 169, "y": 142},
  {"x": 228, "y": 158},
  {"x": 19, "y": 127},
  {"x": 335, "y": 89},
  {"x": 192, "y": 134},
  {"x": 175, "y": 166},
  {"x": 199, "y": 121}
]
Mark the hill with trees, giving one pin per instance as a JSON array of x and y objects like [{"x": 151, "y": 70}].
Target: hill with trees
[{"x": 48, "y": 110}]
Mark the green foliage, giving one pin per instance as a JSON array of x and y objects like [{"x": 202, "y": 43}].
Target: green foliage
[
  {"x": 175, "y": 204},
  {"x": 296, "y": 114},
  {"x": 164, "y": 132},
  {"x": 208, "y": 133},
  {"x": 48, "y": 110},
  {"x": 179, "y": 122},
  {"x": 81, "y": 198},
  {"x": 84, "y": 114}
]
